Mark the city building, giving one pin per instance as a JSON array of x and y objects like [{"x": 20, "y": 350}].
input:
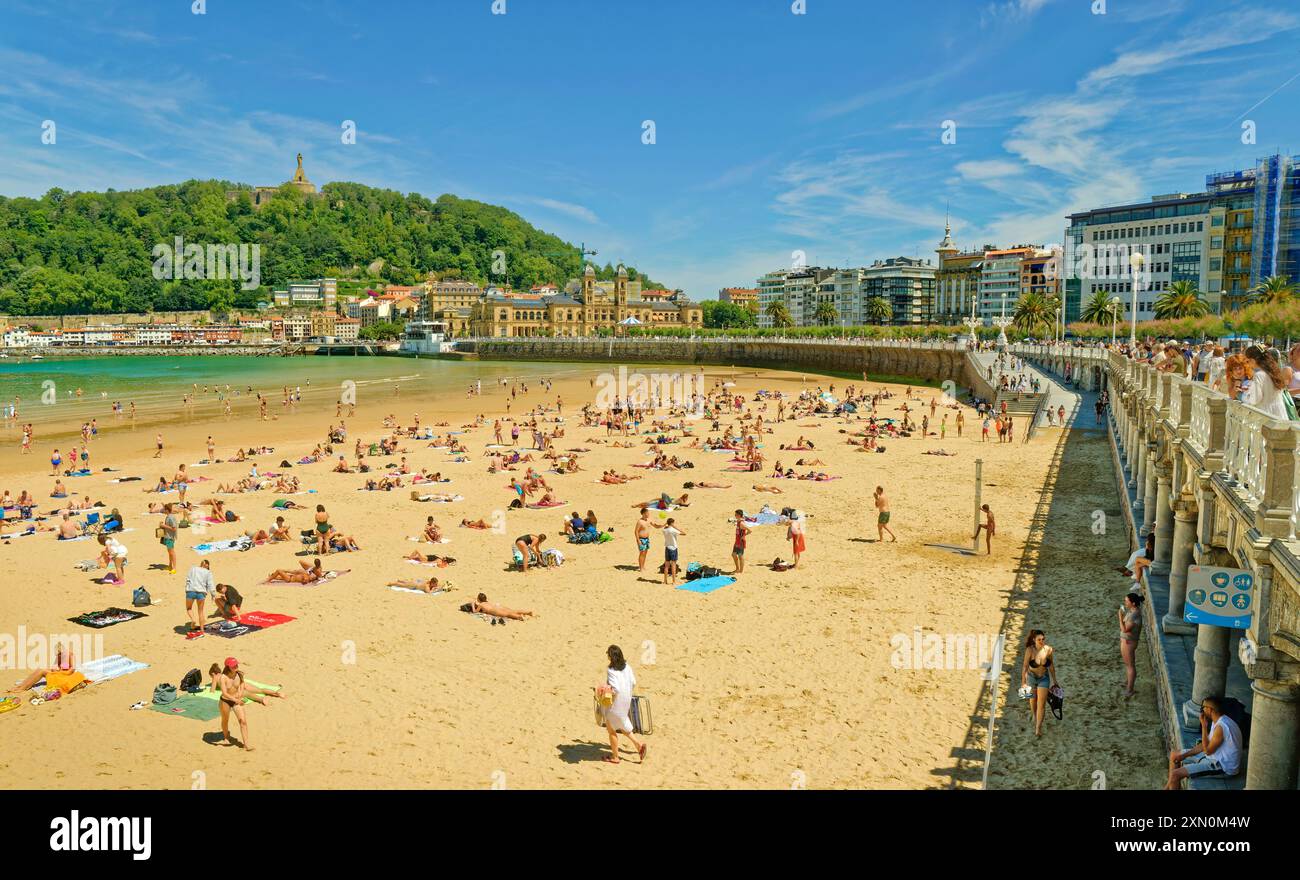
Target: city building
[
  {"x": 1244, "y": 228},
  {"x": 591, "y": 306},
  {"x": 438, "y": 296},
  {"x": 1147, "y": 246},
  {"x": 957, "y": 281},
  {"x": 906, "y": 283},
  {"x": 347, "y": 329},
  {"x": 740, "y": 296},
  {"x": 1000, "y": 275},
  {"x": 321, "y": 293}
]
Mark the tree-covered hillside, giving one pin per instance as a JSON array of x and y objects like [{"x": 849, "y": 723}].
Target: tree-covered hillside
[{"x": 79, "y": 253}]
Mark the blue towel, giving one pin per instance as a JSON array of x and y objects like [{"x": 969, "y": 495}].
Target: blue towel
[{"x": 707, "y": 585}]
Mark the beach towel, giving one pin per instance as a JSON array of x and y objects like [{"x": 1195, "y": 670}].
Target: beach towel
[
  {"x": 105, "y": 618},
  {"x": 203, "y": 706},
  {"x": 253, "y": 621},
  {"x": 765, "y": 518},
  {"x": 417, "y": 592},
  {"x": 546, "y": 506},
  {"x": 111, "y": 667},
  {"x": 707, "y": 585},
  {"x": 240, "y": 543}
]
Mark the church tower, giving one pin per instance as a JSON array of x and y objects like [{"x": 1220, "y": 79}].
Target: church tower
[{"x": 620, "y": 290}]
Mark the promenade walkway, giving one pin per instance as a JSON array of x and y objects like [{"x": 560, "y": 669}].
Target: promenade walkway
[{"x": 1179, "y": 649}]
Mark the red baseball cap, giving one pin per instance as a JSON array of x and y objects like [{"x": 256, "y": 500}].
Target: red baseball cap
[{"x": 232, "y": 663}]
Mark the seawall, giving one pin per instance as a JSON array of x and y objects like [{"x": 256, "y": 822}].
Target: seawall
[{"x": 935, "y": 363}]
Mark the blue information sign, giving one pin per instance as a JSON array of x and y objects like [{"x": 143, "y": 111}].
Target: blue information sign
[{"x": 1219, "y": 596}]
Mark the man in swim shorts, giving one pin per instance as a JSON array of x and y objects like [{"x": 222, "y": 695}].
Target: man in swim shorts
[
  {"x": 642, "y": 535},
  {"x": 882, "y": 515}
]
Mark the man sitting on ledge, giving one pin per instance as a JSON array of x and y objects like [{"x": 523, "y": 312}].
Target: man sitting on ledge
[{"x": 1217, "y": 754}]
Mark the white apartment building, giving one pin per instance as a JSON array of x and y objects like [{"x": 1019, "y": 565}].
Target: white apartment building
[
  {"x": 154, "y": 334},
  {"x": 843, "y": 289},
  {"x": 1175, "y": 237},
  {"x": 1000, "y": 281},
  {"x": 771, "y": 288}
]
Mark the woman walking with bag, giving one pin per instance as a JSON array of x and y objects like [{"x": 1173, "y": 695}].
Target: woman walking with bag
[
  {"x": 615, "y": 698},
  {"x": 1038, "y": 675}
]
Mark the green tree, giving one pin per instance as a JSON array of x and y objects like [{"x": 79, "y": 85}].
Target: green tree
[
  {"x": 1099, "y": 309},
  {"x": 1274, "y": 289},
  {"x": 382, "y": 330},
  {"x": 780, "y": 315},
  {"x": 1035, "y": 314},
  {"x": 878, "y": 310},
  {"x": 1181, "y": 300},
  {"x": 826, "y": 313},
  {"x": 725, "y": 314}
]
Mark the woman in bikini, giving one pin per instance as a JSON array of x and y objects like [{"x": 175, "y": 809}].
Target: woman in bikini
[
  {"x": 430, "y": 586},
  {"x": 306, "y": 575},
  {"x": 230, "y": 682},
  {"x": 482, "y": 606},
  {"x": 323, "y": 529},
  {"x": 1039, "y": 674},
  {"x": 526, "y": 544}
]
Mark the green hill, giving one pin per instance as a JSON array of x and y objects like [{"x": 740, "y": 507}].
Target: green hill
[{"x": 80, "y": 253}]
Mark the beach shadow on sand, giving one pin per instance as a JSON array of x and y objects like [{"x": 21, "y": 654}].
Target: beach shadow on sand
[{"x": 578, "y": 752}]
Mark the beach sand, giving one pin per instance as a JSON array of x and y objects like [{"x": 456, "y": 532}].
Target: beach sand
[{"x": 780, "y": 680}]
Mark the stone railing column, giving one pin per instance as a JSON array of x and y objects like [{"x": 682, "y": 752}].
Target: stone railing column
[
  {"x": 1150, "y": 487},
  {"x": 1164, "y": 524},
  {"x": 1210, "y": 678},
  {"x": 1217, "y": 408},
  {"x": 1273, "y": 515},
  {"x": 1183, "y": 540},
  {"x": 1274, "y": 736}
]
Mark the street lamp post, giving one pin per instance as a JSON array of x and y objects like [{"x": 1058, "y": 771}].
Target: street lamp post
[
  {"x": 1135, "y": 265},
  {"x": 1114, "y": 319},
  {"x": 1001, "y": 323}
]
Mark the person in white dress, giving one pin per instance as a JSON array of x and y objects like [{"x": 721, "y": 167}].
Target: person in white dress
[
  {"x": 619, "y": 684},
  {"x": 1268, "y": 383}
]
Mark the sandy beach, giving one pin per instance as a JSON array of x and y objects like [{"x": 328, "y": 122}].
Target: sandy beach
[{"x": 780, "y": 680}]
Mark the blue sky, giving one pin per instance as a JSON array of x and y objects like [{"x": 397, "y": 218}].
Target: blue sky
[{"x": 775, "y": 132}]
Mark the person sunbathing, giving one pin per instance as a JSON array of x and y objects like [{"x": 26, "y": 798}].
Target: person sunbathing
[
  {"x": 305, "y": 575},
  {"x": 476, "y": 524},
  {"x": 706, "y": 485},
  {"x": 436, "y": 496},
  {"x": 432, "y": 533},
  {"x": 65, "y": 665},
  {"x": 775, "y": 490},
  {"x": 432, "y": 585},
  {"x": 341, "y": 543},
  {"x": 430, "y": 559},
  {"x": 252, "y": 692},
  {"x": 809, "y": 462},
  {"x": 481, "y": 605}
]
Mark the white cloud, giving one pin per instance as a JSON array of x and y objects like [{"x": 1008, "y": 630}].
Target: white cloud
[{"x": 568, "y": 209}]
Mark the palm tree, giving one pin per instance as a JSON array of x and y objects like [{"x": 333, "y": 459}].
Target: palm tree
[
  {"x": 1181, "y": 300},
  {"x": 1099, "y": 309},
  {"x": 826, "y": 313},
  {"x": 1034, "y": 312},
  {"x": 1275, "y": 289},
  {"x": 879, "y": 311},
  {"x": 780, "y": 315}
]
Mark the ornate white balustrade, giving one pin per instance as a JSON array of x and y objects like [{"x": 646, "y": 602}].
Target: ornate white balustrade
[{"x": 1199, "y": 437}]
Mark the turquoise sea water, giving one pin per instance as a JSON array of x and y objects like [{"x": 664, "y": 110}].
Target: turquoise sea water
[{"x": 160, "y": 383}]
